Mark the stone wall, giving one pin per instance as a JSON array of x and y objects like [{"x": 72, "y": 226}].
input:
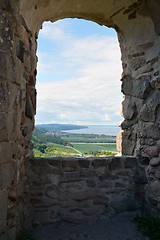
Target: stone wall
[
  {"x": 75, "y": 189},
  {"x": 17, "y": 109},
  {"x": 138, "y": 29}
]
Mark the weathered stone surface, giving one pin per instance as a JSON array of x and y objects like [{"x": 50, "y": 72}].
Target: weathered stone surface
[
  {"x": 128, "y": 142},
  {"x": 152, "y": 151},
  {"x": 84, "y": 163},
  {"x": 129, "y": 109},
  {"x": 130, "y": 162},
  {"x": 6, "y": 174},
  {"x": 3, "y": 211},
  {"x": 157, "y": 173},
  {"x": 116, "y": 163},
  {"x": 57, "y": 162},
  {"x": 138, "y": 32},
  {"x": 149, "y": 130},
  {"x": 155, "y": 161},
  {"x": 70, "y": 163},
  {"x": 140, "y": 176},
  {"x": 12, "y": 194},
  {"x": 20, "y": 50},
  {"x": 100, "y": 162},
  {"x": 123, "y": 204},
  {"x": 154, "y": 190},
  {"x": 28, "y": 108},
  {"x": 138, "y": 88},
  {"x": 5, "y": 152}
]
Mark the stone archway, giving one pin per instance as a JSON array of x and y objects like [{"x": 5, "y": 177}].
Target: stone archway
[{"x": 138, "y": 29}]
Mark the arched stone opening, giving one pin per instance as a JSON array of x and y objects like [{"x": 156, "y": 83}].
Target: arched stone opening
[
  {"x": 79, "y": 76},
  {"x": 137, "y": 25}
]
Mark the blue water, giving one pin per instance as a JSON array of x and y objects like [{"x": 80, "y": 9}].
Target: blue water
[{"x": 111, "y": 130}]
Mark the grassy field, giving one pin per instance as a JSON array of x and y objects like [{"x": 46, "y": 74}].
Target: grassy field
[
  {"x": 86, "y": 147},
  {"x": 88, "y": 138}
]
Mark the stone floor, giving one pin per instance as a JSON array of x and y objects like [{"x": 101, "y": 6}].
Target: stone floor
[{"x": 120, "y": 227}]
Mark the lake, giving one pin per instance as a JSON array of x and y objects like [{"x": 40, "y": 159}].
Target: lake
[{"x": 97, "y": 129}]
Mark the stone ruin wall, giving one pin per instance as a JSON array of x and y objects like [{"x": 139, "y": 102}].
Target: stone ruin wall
[
  {"x": 138, "y": 29},
  {"x": 87, "y": 189}
]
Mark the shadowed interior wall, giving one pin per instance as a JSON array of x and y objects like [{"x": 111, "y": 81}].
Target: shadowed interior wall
[{"x": 138, "y": 27}]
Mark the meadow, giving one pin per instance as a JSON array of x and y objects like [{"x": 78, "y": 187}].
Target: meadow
[{"x": 86, "y": 147}]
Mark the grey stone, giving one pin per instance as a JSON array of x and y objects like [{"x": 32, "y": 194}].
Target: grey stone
[
  {"x": 129, "y": 109},
  {"x": 20, "y": 50},
  {"x": 5, "y": 152},
  {"x": 154, "y": 190},
  {"x": 140, "y": 176},
  {"x": 155, "y": 161},
  {"x": 116, "y": 163},
  {"x": 7, "y": 174},
  {"x": 3, "y": 211},
  {"x": 123, "y": 204},
  {"x": 84, "y": 163},
  {"x": 28, "y": 108},
  {"x": 138, "y": 88},
  {"x": 152, "y": 151},
  {"x": 130, "y": 162}
]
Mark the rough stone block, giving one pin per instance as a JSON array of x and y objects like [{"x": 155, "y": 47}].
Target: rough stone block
[
  {"x": 140, "y": 176},
  {"x": 157, "y": 173},
  {"x": 29, "y": 108},
  {"x": 6, "y": 6},
  {"x": 106, "y": 184},
  {"x": 32, "y": 94},
  {"x": 3, "y": 211},
  {"x": 57, "y": 162},
  {"x": 84, "y": 163},
  {"x": 23, "y": 34},
  {"x": 128, "y": 142},
  {"x": 7, "y": 174},
  {"x": 138, "y": 88},
  {"x": 154, "y": 190},
  {"x": 130, "y": 162},
  {"x": 152, "y": 151},
  {"x": 7, "y": 66},
  {"x": 91, "y": 182},
  {"x": 115, "y": 163},
  {"x": 78, "y": 184},
  {"x": 27, "y": 61},
  {"x": 101, "y": 162},
  {"x": 122, "y": 204},
  {"x": 12, "y": 194},
  {"x": 5, "y": 152},
  {"x": 10, "y": 126},
  {"x": 6, "y": 30},
  {"x": 149, "y": 130},
  {"x": 129, "y": 109},
  {"x": 155, "y": 161},
  {"x": 70, "y": 163},
  {"x": 20, "y": 50}
]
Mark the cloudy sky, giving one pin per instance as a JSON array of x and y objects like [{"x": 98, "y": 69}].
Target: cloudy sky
[{"x": 79, "y": 70}]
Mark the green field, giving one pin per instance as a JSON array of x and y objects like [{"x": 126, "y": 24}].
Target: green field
[
  {"x": 66, "y": 144},
  {"x": 86, "y": 147},
  {"x": 88, "y": 138}
]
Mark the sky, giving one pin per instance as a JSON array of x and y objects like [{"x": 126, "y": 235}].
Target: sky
[{"x": 79, "y": 71}]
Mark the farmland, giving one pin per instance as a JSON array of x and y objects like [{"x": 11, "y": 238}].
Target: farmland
[
  {"x": 50, "y": 144},
  {"x": 86, "y": 147}
]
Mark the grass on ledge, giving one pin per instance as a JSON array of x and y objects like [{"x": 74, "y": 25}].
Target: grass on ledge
[{"x": 149, "y": 224}]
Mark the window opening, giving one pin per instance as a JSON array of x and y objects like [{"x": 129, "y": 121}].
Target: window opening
[{"x": 78, "y": 89}]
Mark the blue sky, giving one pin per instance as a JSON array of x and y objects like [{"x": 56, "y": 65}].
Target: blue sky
[{"x": 79, "y": 70}]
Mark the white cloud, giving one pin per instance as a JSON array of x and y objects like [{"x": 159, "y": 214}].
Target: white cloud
[{"x": 91, "y": 93}]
